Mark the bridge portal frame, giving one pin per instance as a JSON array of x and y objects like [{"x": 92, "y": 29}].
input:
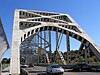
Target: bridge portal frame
[{"x": 19, "y": 36}]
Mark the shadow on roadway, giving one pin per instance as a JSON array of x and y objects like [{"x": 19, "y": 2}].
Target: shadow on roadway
[
  {"x": 46, "y": 74},
  {"x": 36, "y": 71},
  {"x": 42, "y": 74}
]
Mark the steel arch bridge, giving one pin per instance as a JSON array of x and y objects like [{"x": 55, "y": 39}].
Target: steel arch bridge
[{"x": 27, "y": 30}]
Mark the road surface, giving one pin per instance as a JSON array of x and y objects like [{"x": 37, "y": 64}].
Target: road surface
[{"x": 39, "y": 70}]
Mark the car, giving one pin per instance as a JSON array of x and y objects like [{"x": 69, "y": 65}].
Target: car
[
  {"x": 81, "y": 67},
  {"x": 54, "y": 69}
]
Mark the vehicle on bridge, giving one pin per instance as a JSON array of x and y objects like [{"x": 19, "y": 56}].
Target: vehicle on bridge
[
  {"x": 54, "y": 69},
  {"x": 81, "y": 66}
]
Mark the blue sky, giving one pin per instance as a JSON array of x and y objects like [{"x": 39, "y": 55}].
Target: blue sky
[{"x": 85, "y": 12}]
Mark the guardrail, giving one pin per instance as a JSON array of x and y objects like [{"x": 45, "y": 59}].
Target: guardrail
[
  {"x": 45, "y": 65},
  {"x": 95, "y": 66}
]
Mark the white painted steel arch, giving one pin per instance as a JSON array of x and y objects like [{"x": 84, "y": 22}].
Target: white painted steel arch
[
  {"x": 28, "y": 22},
  {"x": 88, "y": 42}
]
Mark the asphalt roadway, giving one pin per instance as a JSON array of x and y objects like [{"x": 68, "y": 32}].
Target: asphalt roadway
[{"x": 39, "y": 70}]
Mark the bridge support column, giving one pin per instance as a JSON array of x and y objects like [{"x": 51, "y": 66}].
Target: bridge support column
[
  {"x": 37, "y": 42},
  {"x": 87, "y": 55},
  {"x": 68, "y": 48},
  {"x": 56, "y": 45},
  {"x": 40, "y": 44},
  {"x": 15, "y": 59},
  {"x": 49, "y": 32},
  {"x": 15, "y": 51},
  {"x": 76, "y": 56},
  {"x": 45, "y": 45},
  {"x": 81, "y": 46},
  {"x": 77, "y": 52},
  {"x": 41, "y": 40}
]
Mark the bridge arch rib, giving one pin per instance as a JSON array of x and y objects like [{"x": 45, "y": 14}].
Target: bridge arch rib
[{"x": 78, "y": 36}]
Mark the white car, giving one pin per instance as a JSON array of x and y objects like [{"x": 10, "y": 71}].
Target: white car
[{"x": 54, "y": 68}]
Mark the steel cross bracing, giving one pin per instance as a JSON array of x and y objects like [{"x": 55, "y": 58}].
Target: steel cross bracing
[
  {"x": 28, "y": 22},
  {"x": 32, "y": 42},
  {"x": 58, "y": 42}
]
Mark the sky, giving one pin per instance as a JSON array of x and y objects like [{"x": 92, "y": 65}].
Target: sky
[{"x": 85, "y": 12}]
